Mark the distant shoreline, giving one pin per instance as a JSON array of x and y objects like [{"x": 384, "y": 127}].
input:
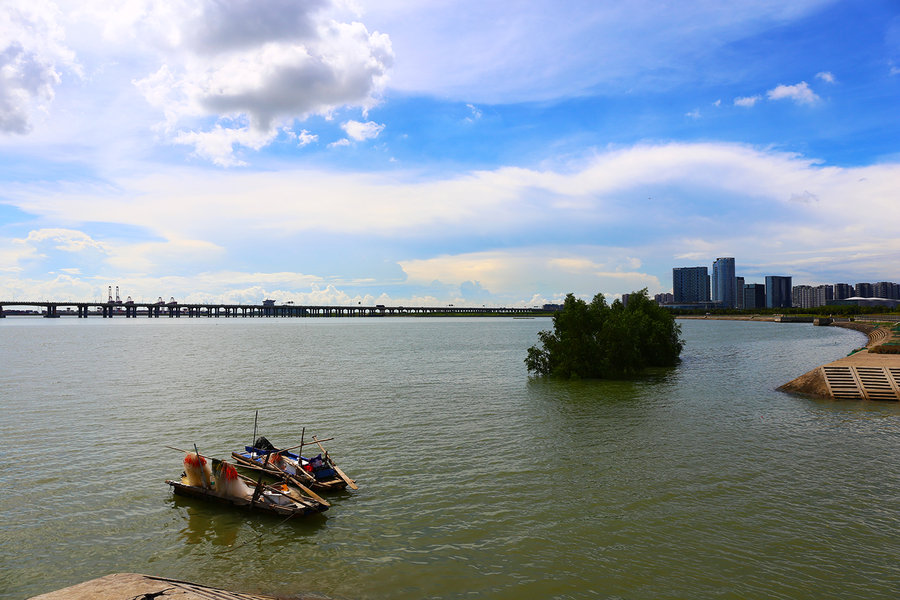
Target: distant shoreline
[{"x": 731, "y": 317}]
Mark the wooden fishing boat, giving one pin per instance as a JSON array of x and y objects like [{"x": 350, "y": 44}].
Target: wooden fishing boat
[
  {"x": 228, "y": 487},
  {"x": 318, "y": 473},
  {"x": 265, "y": 502}
]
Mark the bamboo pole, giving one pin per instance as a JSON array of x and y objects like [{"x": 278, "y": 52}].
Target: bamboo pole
[{"x": 337, "y": 469}]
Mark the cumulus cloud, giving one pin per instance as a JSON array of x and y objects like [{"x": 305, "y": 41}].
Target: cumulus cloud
[
  {"x": 218, "y": 144},
  {"x": 800, "y": 93},
  {"x": 362, "y": 131},
  {"x": 262, "y": 63},
  {"x": 826, "y": 76},
  {"x": 62, "y": 286},
  {"x": 522, "y": 271},
  {"x": 631, "y": 197},
  {"x": 67, "y": 240},
  {"x": 32, "y": 58},
  {"x": 747, "y": 101},
  {"x": 188, "y": 205},
  {"x": 305, "y": 138}
]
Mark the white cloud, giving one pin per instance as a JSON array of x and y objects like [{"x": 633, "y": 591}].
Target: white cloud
[
  {"x": 747, "y": 101},
  {"x": 63, "y": 286},
  {"x": 218, "y": 144},
  {"x": 187, "y": 204},
  {"x": 637, "y": 196},
  {"x": 826, "y": 76},
  {"x": 522, "y": 271},
  {"x": 694, "y": 114},
  {"x": 483, "y": 52},
  {"x": 305, "y": 138},
  {"x": 32, "y": 57},
  {"x": 800, "y": 93},
  {"x": 160, "y": 256},
  {"x": 362, "y": 131},
  {"x": 67, "y": 240},
  {"x": 261, "y": 63}
]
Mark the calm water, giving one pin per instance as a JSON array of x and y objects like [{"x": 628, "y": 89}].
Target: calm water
[{"x": 475, "y": 482}]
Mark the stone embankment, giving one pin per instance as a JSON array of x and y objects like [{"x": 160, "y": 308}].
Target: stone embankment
[{"x": 862, "y": 375}]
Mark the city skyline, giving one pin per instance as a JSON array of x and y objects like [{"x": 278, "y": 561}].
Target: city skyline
[
  {"x": 460, "y": 152},
  {"x": 694, "y": 287}
]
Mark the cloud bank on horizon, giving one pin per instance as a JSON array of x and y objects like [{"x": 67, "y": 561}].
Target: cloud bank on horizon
[{"x": 460, "y": 152}]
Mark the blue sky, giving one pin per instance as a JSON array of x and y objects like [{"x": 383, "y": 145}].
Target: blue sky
[{"x": 500, "y": 153}]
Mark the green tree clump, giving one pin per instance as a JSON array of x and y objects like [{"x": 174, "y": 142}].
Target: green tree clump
[{"x": 597, "y": 340}]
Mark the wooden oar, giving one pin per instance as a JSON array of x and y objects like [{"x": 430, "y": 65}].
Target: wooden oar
[{"x": 337, "y": 469}]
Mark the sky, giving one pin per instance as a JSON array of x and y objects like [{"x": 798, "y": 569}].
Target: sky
[{"x": 443, "y": 152}]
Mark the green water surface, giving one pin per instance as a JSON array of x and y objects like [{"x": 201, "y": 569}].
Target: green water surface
[{"x": 475, "y": 481}]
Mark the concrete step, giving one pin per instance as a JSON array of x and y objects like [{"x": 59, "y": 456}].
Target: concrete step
[{"x": 863, "y": 382}]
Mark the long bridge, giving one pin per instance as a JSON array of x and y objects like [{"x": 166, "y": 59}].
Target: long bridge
[{"x": 130, "y": 309}]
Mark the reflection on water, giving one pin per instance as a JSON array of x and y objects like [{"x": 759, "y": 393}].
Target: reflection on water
[
  {"x": 202, "y": 525},
  {"x": 222, "y": 525},
  {"x": 475, "y": 480}
]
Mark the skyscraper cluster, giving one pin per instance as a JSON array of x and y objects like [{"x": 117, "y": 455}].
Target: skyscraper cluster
[{"x": 694, "y": 287}]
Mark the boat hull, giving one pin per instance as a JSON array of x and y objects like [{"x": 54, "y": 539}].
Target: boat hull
[{"x": 293, "y": 508}]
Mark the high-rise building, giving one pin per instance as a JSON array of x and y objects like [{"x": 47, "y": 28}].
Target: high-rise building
[
  {"x": 664, "y": 298},
  {"x": 723, "y": 282},
  {"x": 823, "y": 293},
  {"x": 802, "y": 296},
  {"x": 739, "y": 292},
  {"x": 864, "y": 290},
  {"x": 843, "y": 290},
  {"x": 886, "y": 289},
  {"x": 808, "y": 296},
  {"x": 778, "y": 291},
  {"x": 754, "y": 295},
  {"x": 690, "y": 284}
]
